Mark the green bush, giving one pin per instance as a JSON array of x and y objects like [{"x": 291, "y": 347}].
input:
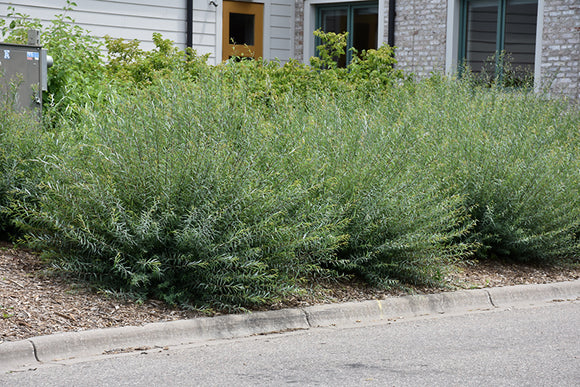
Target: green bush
[
  {"x": 203, "y": 195},
  {"x": 330, "y": 50},
  {"x": 128, "y": 63},
  {"x": 375, "y": 68},
  {"x": 232, "y": 186},
  {"x": 401, "y": 227},
  {"x": 514, "y": 156},
  {"x": 171, "y": 193},
  {"x": 21, "y": 141}
]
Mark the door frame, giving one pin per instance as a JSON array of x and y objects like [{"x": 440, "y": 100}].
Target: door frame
[{"x": 266, "y": 32}]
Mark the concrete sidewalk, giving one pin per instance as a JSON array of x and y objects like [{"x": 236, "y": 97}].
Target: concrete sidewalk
[{"x": 24, "y": 354}]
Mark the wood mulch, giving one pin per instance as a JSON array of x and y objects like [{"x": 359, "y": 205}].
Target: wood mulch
[{"x": 33, "y": 302}]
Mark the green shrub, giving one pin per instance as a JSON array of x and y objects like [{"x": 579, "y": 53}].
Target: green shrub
[
  {"x": 127, "y": 62},
  {"x": 230, "y": 186},
  {"x": 515, "y": 158},
  {"x": 21, "y": 141},
  {"x": 375, "y": 68},
  {"x": 16, "y": 31},
  {"x": 330, "y": 50},
  {"x": 171, "y": 193},
  {"x": 203, "y": 195},
  {"x": 402, "y": 227}
]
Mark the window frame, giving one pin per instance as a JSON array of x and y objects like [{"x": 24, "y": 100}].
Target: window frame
[
  {"x": 500, "y": 31},
  {"x": 350, "y": 6}
]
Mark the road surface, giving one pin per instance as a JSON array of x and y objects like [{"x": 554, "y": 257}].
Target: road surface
[{"x": 535, "y": 346}]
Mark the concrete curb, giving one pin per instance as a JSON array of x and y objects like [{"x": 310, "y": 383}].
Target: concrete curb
[
  {"x": 26, "y": 353},
  {"x": 396, "y": 308},
  {"x": 95, "y": 342},
  {"x": 15, "y": 354},
  {"x": 534, "y": 294}
]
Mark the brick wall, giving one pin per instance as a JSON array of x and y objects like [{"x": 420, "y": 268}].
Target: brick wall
[
  {"x": 420, "y": 34},
  {"x": 299, "y": 31},
  {"x": 561, "y": 47}
]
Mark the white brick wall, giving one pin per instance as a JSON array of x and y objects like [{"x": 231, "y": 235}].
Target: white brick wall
[
  {"x": 560, "y": 66},
  {"x": 299, "y": 30},
  {"x": 420, "y": 35}
]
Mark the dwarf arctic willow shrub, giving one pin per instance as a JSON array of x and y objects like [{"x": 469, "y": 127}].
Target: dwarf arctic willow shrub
[
  {"x": 402, "y": 227},
  {"x": 201, "y": 194},
  {"x": 178, "y": 192},
  {"x": 21, "y": 141},
  {"x": 231, "y": 186},
  {"x": 514, "y": 156}
]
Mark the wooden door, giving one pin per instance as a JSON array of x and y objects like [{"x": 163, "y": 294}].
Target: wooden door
[{"x": 243, "y": 29}]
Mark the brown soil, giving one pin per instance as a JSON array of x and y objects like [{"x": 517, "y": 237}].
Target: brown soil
[{"x": 34, "y": 303}]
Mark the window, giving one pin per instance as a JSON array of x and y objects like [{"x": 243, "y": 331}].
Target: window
[
  {"x": 243, "y": 29},
  {"x": 360, "y": 20},
  {"x": 494, "y": 30}
]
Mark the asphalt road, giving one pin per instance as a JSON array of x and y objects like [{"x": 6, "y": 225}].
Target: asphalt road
[{"x": 537, "y": 346}]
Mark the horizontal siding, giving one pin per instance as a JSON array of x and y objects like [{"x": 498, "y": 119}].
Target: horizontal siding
[
  {"x": 119, "y": 19},
  {"x": 282, "y": 9},
  {"x": 131, "y": 19},
  {"x": 137, "y": 7},
  {"x": 281, "y": 29},
  {"x": 279, "y": 32},
  {"x": 203, "y": 40},
  {"x": 280, "y": 44},
  {"x": 279, "y": 54},
  {"x": 280, "y": 21},
  {"x": 204, "y": 28}
]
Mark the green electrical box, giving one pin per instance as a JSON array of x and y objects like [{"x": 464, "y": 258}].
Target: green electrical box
[{"x": 23, "y": 76}]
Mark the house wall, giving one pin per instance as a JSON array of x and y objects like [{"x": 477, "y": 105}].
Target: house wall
[
  {"x": 281, "y": 30},
  {"x": 205, "y": 29},
  {"x": 420, "y": 35},
  {"x": 420, "y": 29},
  {"x": 423, "y": 29},
  {"x": 427, "y": 33},
  {"x": 128, "y": 19},
  {"x": 132, "y": 19},
  {"x": 305, "y": 23},
  {"x": 299, "y": 30},
  {"x": 560, "y": 68}
]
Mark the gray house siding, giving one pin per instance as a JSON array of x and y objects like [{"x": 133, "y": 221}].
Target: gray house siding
[
  {"x": 281, "y": 29},
  {"x": 131, "y": 19},
  {"x": 120, "y": 19},
  {"x": 205, "y": 26}
]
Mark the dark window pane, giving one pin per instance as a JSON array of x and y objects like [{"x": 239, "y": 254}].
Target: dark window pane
[
  {"x": 520, "y": 35},
  {"x": 335, "y": 20},
  {"x": 241, "y": 29},
  {"x": 365, "y": 28},
  {"x": 481, "y": 33}
]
